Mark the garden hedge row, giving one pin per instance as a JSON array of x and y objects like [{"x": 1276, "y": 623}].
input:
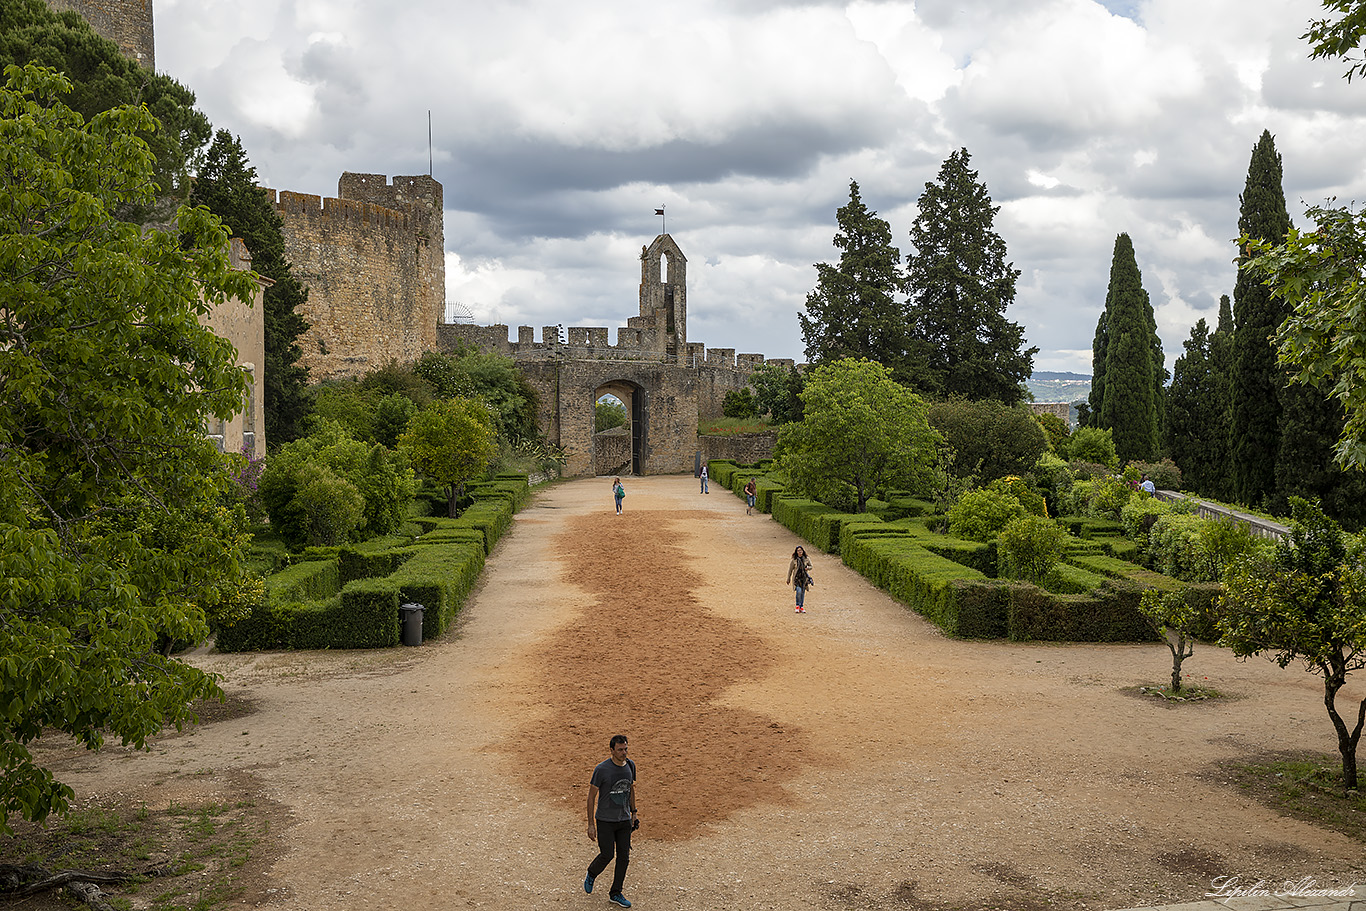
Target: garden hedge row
[{"x": 350, "y": 596}]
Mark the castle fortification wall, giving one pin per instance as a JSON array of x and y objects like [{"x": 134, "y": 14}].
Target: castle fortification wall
[
  {"x": 374, "y": 265},
  {"x": 127, "y": 23}
]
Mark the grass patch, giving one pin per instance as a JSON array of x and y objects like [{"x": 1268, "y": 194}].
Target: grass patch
[
  {"x": 187, "y": 857},
  {"x": 728, "y": 426},
  {"x": 1186, "y": 694},
  {"x": 1307, "y": 787}
]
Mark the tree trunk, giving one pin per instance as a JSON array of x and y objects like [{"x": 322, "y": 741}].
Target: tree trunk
[
  {"x": 451, "y": 501},
  {"x": 1334, "y": 680},
  {"x": 1181, "y": 649}
]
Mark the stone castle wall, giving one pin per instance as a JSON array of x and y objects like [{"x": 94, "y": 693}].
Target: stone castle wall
[
  {"x": 127, "y": 23},
  {"x": 374, "y": 264}
]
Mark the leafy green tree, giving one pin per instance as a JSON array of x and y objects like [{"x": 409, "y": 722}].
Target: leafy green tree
[
  {"x": 1219, "y": 482},
  {"x": 854, "y": 311},
  {"x": 1255, "y": 413},
  {"x": 980, "y": 515},
  {"x": 1131, "y": 379},
  {"x": 1173, "y": 618},
  {"x": 1100, "y": 345},
  {"x": 608, "y": 414},
  {"x": 451, "y": 442},
  {"x": 1341, "y": 36},
  {"x": 959, "y": 285},
  {"x": 1056, "y": 430},
  {"x": 1029, "y": 547},
  {"x": 989, "y": 439},
  {"x": 861, "y": 428},
  {"x": 103, "y": 78},
  {"x": 1319, "y": 274},
  {"x": 1093, "y": 444},
  {"x": 1305, "y": 603},
  {"x": 119, "y": 533},
  {"x": 379, "y": 476},
  {"x": 490, "y": 378},
  {"x": 776, "y": 393},
  {"x": 738, "y": 403},
  {"x": 226, "y": 184}
]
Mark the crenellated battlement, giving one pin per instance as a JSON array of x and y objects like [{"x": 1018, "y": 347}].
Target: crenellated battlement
[
  {"x": 373, "y": 261},
  {"x": 592, "y": 343}
]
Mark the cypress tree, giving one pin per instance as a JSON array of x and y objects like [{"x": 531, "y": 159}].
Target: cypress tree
[
  {"x": 1098, "y": 354},
  {"x": 1256, "y": 383},
  {"x": 853, "y": 311},
  {"x": 1191, "y": 405},
  {"x": 1127, "y": 406},
  {"x": 1219, "y": 483},
  {"x": 226, "y": 184},
  {"x": 959, "y": 284}
]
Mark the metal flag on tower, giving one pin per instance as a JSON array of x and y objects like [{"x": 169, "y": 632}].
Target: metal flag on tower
[{"x": 664, "y": 222}]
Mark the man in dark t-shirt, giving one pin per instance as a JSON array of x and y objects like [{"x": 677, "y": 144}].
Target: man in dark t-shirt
[{"x": 611, "y": 817}]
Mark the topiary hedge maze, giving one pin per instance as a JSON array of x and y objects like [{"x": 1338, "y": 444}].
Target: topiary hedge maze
[{"x": 351, "y": 598}]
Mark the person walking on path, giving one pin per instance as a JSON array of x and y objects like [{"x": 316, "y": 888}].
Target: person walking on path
[
  {"x": 617, "y": 493},
  {"x": 612, "y": 817},
  {"x": 704, "y": 479},
  {"x": 799, "y": 576},
  {"x": 751, "y": 490}
]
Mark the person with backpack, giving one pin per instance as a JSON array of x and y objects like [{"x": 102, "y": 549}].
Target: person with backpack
[
  {"x": 751, "y": 491},
  {"x": 618, "y": 493}
]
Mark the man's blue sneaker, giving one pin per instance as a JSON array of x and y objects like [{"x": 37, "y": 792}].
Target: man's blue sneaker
[
  {"x": 619, "y": 899},
  {"x": 588, "y": 884}
]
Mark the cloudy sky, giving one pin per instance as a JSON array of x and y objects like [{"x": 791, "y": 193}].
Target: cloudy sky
[{"x": 558, "y": 128}]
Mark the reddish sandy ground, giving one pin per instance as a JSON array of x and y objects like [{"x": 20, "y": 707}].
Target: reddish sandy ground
[{"x": 848, "y": 757}]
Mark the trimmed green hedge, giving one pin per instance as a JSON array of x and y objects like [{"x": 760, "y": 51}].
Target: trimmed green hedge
[
  {"x": 1115, "y": 568},
  {"x": 439, "y": 577},
  {"x": 981, "y": 557},
  {"x": 311, "y": 581},
  {"x": 1107, "y": 614},
  {"x": 817, "y": 523},
  {"x": 1066, "y": 579},
  {"x": 355, "y": 564}
]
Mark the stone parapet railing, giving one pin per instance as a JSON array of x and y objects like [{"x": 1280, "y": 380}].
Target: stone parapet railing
[{"x": 1261, "y": 528}]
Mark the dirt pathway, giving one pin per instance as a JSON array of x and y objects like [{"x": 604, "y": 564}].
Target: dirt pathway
[{"x": 848, "y": 757}]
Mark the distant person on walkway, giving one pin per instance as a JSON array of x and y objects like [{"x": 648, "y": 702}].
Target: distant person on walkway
[
  {"x": 704, "y": 480},
  {"x": 751, "y": 490},
  {"x": 612, "y": 817},
  {"x": 618, "y": 492},
  {"x": 799, "y": 576},
  {"x": 1148, "y": 485}
]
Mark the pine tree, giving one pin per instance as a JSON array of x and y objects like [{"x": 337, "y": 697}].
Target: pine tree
[
  {"x": 1127, "y": 406},
  {"x": 227, "y": 186},
  {"x": 959, "y": 286},
  {"x": 854, "y": 311},
  {"x": 1256, "y": 383}
]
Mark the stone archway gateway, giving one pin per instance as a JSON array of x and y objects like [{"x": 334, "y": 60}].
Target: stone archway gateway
[
  {"x": 670, "y": 382},
  {"x": 616, "y": 451}
]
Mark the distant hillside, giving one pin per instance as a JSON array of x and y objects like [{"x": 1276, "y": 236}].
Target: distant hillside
[{"x": 1049, "y": 386}]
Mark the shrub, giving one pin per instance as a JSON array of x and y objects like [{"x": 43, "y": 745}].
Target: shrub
[
  {"x": 1029, "y": 547},
  {"x": 1093, "y": 444},
  {"x": 1164, "y": 474},
  {"x": 1020, "y": 489},
  {"x": 1108, "y": 497},
  {"x": 979, "y": 515}
]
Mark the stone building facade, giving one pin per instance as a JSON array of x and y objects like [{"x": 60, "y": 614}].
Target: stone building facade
[
  {"x": 127, "y": 23},
  {"x": 373, "y": 260},
  {"x": 666, "y": 382},
  {"x": 243, "y": 323}
]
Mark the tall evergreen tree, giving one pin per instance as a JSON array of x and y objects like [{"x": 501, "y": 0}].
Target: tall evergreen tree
[
  {"x": 1099, "y": 352},
  {"x": 854, "y": 311},
  {"x": 1219, "y": 484},
  {"x": 959, "y": 285},
  {"x": 1255, "y": 412},
  {"x": 1127, "y": 406},
  {"x": 1191, "y": 413},
  {"x": 226, "y": 185}
]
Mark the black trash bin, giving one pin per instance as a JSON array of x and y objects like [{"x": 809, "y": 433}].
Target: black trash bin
[{"x": 411, "y": 615}]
